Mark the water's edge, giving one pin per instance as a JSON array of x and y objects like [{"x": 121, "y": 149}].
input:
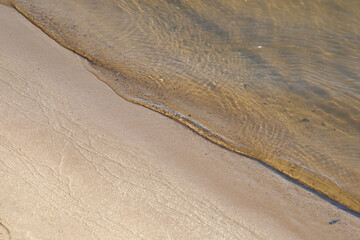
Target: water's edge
[{"x": 310, "y": 179}]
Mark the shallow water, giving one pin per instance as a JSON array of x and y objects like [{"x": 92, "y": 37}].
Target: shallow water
[{"x": 275, "y": 80}]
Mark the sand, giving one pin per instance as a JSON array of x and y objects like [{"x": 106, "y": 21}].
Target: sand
[{"x": 79, "y": 162}]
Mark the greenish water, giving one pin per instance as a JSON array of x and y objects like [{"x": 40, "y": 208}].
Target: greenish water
[{"x": 275, "y": 80}]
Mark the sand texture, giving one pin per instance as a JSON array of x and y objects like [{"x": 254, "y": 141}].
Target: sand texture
[
  {"x": 79, "y": 162},
  {"x": 293, "y": 104}
]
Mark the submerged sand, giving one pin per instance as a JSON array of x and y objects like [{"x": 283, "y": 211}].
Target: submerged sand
[
  {"x": 293, "y": 103},
  {"x": 79, "y": 162}
]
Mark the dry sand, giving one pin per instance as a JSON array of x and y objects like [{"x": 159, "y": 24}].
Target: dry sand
[{"x": 79, "y": 162}]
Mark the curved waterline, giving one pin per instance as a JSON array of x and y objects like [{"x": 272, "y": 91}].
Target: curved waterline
[{"x": 239, "y": 99}]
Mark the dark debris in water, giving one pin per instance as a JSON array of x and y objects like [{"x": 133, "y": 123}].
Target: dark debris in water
[
  {"x": 305, "y": 120},
  {"x": 334, "y": 221}
]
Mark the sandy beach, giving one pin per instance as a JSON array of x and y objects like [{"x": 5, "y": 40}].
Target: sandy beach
[{"x": 79, "y": 162}]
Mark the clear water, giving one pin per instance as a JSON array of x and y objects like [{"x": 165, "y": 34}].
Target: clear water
[{"x": 276, "y": 80}]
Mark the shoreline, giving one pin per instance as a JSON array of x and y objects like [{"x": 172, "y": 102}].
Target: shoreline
[
  {"x": 309, "y": 177},
  {"x": 79, "y": 161}
]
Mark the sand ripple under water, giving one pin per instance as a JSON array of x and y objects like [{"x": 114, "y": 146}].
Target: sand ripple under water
[{"x": 275, "y": 80}]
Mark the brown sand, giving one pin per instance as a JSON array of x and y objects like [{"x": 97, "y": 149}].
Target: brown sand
[{"x": 79, "y": 162}]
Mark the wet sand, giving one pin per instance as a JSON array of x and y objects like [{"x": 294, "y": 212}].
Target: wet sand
[
  {"x": 79, "y": 162},
  {"x": 293, "y": 103}
]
